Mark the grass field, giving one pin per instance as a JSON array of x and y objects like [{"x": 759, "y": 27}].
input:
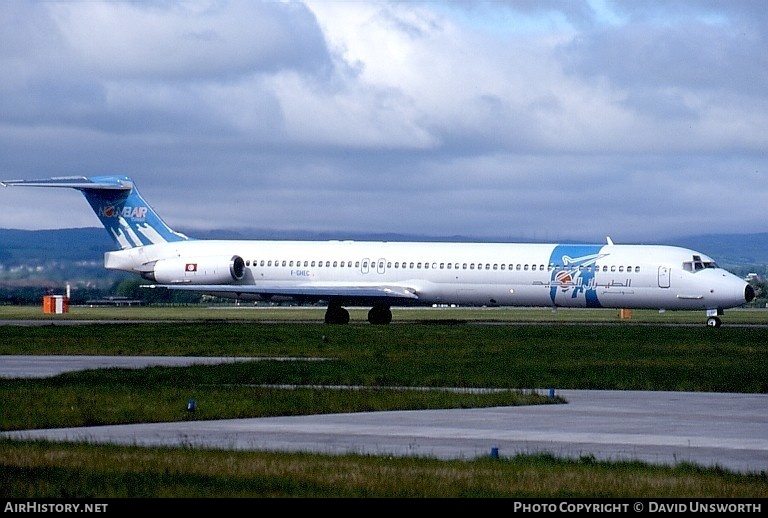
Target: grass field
[
  {"x": 251, "y": 313},
  {"x": 435, "y": 348}
]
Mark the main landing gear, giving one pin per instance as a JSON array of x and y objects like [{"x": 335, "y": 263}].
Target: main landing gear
[
  {"x": 378, "y": 314},
  {"x": 335, "y": 314}
]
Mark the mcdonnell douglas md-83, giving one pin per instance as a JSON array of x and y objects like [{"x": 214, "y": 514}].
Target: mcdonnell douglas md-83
[{"x": 386, "y": 274}]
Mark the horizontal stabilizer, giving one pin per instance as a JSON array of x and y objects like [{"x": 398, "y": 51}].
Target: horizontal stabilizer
[{"x": 73, "y": 182}]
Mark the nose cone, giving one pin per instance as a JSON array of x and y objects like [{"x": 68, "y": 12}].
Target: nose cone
[
  {"x": 749, "y": 293},
  {"x": 729, "y": 291},
  {"x": 739, "y": 292}
]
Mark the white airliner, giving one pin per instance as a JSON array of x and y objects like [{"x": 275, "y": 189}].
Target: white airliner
[{"x": 384, "y": 274}]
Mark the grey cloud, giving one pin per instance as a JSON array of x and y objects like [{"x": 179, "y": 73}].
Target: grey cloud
[
  {"x": 696, "y": 57},
  {"x": 241, "y": 115}
]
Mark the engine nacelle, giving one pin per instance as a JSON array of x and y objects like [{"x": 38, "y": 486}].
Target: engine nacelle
[{"x": 197, "y": 270}]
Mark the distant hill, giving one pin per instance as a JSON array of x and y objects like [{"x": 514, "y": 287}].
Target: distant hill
[
  {"x": 51, "y": 258},
  {"x": 82, "y": 249},
  {"x": 72, "y": 244},
  {"x": 730, "y": 249}
]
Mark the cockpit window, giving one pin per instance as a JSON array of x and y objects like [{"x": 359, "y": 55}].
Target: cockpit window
[{"x": 697, "y": 264}]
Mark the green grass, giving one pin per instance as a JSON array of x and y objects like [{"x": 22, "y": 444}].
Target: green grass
[
  {"x": 44, "y": 470},
  {"x": 624, "y": 357},
  {"x": 91, "y": 400},
  {"x": 433, "y": 350}
]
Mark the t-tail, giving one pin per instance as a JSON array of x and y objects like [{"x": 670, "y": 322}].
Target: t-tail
[{"x": 130, "y": 221}]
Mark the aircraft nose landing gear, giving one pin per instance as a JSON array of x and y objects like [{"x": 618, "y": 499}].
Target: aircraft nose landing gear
[{"x": 714, "y": 322}]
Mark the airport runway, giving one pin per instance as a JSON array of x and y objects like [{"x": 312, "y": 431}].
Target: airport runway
[{"x": 708, "y": 429}]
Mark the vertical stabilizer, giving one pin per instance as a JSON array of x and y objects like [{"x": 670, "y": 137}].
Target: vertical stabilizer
[{"x": 130, "y": 221}]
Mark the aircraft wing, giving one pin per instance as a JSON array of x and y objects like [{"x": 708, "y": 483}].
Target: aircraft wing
[{"x": 319, "y": 291}]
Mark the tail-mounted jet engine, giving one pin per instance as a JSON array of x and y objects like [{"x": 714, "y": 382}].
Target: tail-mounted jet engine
[{"x": 197, "y": 270}]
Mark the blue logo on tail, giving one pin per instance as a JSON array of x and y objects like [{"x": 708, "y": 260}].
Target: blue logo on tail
[{"x": 127, "y": 217}]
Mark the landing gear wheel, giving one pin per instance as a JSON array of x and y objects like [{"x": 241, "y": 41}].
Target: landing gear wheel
[
  {"x": 379, "y": 315},
  {"x": 336, "y": 315},
  {"x": 714, "y": 322}
]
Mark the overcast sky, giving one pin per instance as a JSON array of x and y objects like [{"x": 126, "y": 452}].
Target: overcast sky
[{"x": 535, "y": 119}]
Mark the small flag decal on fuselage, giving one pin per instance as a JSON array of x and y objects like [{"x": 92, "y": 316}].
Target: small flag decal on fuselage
[{"x": 191, "y": 267}]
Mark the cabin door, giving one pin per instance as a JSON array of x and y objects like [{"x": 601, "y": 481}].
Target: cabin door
[{"x": 663, "y": 277}]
